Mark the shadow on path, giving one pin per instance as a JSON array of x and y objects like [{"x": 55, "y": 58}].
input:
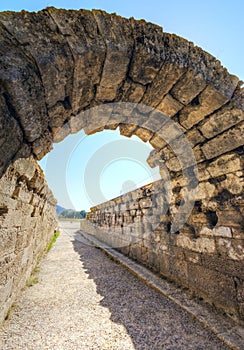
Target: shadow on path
[{"x": 152, "y": 321}]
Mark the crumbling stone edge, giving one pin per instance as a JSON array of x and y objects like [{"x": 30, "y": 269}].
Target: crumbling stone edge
[{"x": 225, "y": 329}]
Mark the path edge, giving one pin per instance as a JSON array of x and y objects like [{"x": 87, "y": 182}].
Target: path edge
[{"x": 226, "y": 330}]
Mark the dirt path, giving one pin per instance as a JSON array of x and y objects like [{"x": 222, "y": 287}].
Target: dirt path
[{"x": 86, "y": 301}]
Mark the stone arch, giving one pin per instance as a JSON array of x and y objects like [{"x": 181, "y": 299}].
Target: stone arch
[{"x": 56, "y": 65}]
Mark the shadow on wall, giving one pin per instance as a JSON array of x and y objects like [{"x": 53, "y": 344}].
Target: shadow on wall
[{"x": 152, "y": 321}]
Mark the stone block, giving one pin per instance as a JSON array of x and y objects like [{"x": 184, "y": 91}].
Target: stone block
[
  {"x": 225, "y": 164},
  {"x": 178, "y": 264},
  {"x": 200, "y": 244},
  {"x": 199, "y": 218},
  {"x": 127, "y": 130},
  {"x": 145, "y": 202},
  {"x": 220, "y": 231},
  {"x": 154, "y": 121},
  {"x": 76, "y": 123},
  {"x": 202, "y": 172},
  {"x": 164, "y": 261},
  {"x": 172, "y": 132},
  {"x": 24, "y": 195},
  {"x": 222, "y": 264},
  {"x": 56, "y": 70},
  {"x": 169, "y": 106},
  {"x": 194, "y": 137},
  {"x": 237, "y": 232},
  {"x": 9, "y": 127},
  {"x": 193, "y": 257},
  {"x": 162, "y": 83},
  {"x": 80, "y": 31},
  {"x": 144, "y": 134},
  {"x": 221, "y": 121},
  {"x": 7, "y": 239},
  {"x": 26, "y": 90},
  {"x": 233, "y": 183},
  {"x": 198, "y": 153},
  {"x": 25, "y": 167},
  {"x": 216, "y": 286},
  {"x": 7, "y": 187},
  {"x": 96, "y": 118},
  {"x": 205, "y": 190},
  {"x": 132, "y": 92},
  {"x": 173, "y": 164},
  {"x": 157, "y": 142},
  {"x": 233, "y": 249},
  {"x": 209, "y": 100},
  {"x": 188, "y": 87},
  {"x": 135, "y": 251},
  {"x": 145, "y": 63},
  {"x": 123, "y": 207},
  {"x": 144, "y": 255},
  {"x": 133, "y": 206},
  {"x": 153, "y": 260},
  {"x": 228, "y": 141}
]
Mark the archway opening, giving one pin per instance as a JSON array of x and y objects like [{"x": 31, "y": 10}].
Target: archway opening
[{"x": 84, "y": 171}]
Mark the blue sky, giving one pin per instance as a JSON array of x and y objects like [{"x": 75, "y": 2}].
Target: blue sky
[
  {"x": 216, "y": 26},
  {"x": 86, "y": 170}
]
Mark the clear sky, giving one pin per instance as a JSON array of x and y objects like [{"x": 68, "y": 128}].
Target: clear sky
[
  {"x": 86, "y": 170},
  {"x": 215, "y": 25}
]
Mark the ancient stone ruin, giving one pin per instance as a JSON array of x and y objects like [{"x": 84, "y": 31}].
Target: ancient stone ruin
[{"x": 63, "y": 71}]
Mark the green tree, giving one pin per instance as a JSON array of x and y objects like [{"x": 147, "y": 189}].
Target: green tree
[{"x": 83, "y": 214}]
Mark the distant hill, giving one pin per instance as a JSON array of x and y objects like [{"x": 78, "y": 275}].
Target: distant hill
[
  {"x": 59, "y": 209},
  {"x": 69, "y": 213}
]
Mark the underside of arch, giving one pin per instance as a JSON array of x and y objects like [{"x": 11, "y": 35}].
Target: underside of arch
[{"x": 57, "y": 63}]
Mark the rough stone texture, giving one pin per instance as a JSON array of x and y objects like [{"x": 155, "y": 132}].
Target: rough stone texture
[
  {"x": 206, "y": 255},
  {"x": 27, "y": 222},
  {"x": 85, "y": 301},
  {"x": 55, "y": 65}
]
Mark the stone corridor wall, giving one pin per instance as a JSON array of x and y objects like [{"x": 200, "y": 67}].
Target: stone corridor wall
[
  {"x": 206, "y": 255},
  {"x": 27, "y": 222}
]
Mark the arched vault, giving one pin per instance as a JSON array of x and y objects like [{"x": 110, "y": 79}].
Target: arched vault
[{"x": 57, "y": 63}]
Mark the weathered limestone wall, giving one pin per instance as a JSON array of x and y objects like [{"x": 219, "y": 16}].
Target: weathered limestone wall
[
  {"x": 206, "y": 255},
  {"x": 27, "y": 222}
]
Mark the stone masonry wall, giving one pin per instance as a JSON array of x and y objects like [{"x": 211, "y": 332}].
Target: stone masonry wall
[
  {"x": 206, "y": 255},
  {"x": 27, "y": 222}
]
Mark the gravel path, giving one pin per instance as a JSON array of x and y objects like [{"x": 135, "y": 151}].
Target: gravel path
[{"x": 86, "y": 301}]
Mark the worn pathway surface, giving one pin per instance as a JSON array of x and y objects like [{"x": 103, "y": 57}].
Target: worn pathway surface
[{"x": 86, "y": 301}]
